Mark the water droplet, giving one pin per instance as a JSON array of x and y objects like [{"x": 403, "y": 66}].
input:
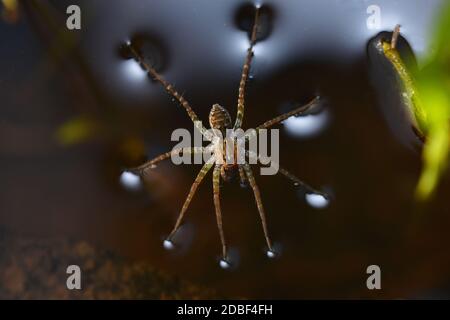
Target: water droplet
[
  {"x": 168, "y": 244},
  {"x": 245, "y": 18},
  {"x": 130, "y": 181},
  {"x": 296, "y": 184},
  {"x": 224, "y": 264},
  {"x": 317, "y": 201}
]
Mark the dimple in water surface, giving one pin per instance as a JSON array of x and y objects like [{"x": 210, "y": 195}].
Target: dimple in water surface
[{"x": 220, "y": 120}]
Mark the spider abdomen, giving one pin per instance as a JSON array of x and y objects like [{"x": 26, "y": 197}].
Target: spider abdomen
[{"x": 219, "y": 118}]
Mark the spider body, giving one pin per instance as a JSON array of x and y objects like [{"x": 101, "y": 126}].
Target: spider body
[{"x": 220, "y": 120}]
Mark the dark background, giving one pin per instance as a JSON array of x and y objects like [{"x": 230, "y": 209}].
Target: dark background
[{"x": 49, "y": 76}]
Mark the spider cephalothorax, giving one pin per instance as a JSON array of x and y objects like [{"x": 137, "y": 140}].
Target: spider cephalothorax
[{"x": 220, "y": 120}]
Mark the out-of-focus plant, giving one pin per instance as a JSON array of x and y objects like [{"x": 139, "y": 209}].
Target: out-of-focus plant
[
  {"x": 426, "y": 97},
  {"x": 10, "y": 11},
  {"x": 433, "y": 85},
  {"x": 77, "y": 130}
]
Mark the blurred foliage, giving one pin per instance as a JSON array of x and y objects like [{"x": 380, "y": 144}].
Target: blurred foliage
[
  {"x": 426, "y": 95},
  {"x": 10, "y": 10},
  {"x": 433, "y": 83},
  {"x": 76, "y": 130}
]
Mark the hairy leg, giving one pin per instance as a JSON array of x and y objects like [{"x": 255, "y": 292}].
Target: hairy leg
[
  {"x": 152, "y": 163},
  {"x": 298, "y": 182},
  {"x": 245, "y": 72},
  {"x": 216, "y": 190},
  {"x": 171, "y": 90},
  {"x": 206, "y": 167},
  {"x": 242, "y": 177},
  {"x": 262, "y": 214},
  {"x": 290, "y": 176},
  {"x": 296, "y": 112}
]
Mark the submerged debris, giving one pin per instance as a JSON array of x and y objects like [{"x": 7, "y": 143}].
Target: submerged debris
[{"x": 35, "y": 268}]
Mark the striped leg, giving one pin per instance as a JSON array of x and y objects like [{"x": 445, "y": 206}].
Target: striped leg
[
  {"x": 171, "y": 90},
  {"x": 296, "y": 112},
  {"x": 290, "y": 176},
  {"x": 245, "y": 72},
  {"x": 242, "y": 177},
  {"x": 216, "y": 190},
  {"x": 152, "y": 163},
  {"x": 262, "y": 214},
  {"x": 206, "y": 167},
  {"x": 298, "y": 182}
]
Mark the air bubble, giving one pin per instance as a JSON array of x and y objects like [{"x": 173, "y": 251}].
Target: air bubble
[
  {"x": 168, "y": 244},
  {"x": 307, "y": 125},
  {"x": 224, "y": 264},
  {"x": 317, "y": 201},
  {"x": 130, "y": 181},
  {"x": 271, "y": 254}
]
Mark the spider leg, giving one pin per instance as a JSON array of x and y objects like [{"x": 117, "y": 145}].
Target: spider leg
[
  {"x": 242, "y": 177},
  {"x": 259, "y": 204},
  {"x": 152, "y": 163},
  {"x": 206, "y": 167},
  {"x": 245, "y": 72},
  {"x": 293, "y": 178},
  {"x": 298, "y": 182},
  {"x": 172, "y": 91},
  {"x": 216, "y": 190},
  {"x": 223, "y": 174},
  {"x": 395, "y": 36},
  {"x": 296, "y": 112}
]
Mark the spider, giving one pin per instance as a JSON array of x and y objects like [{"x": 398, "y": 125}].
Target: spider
[{"x": 220, "y": 119}]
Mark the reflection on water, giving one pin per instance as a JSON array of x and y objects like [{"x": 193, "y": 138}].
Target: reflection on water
[
  {"x": 133, "y": 71},
  {"x": 317, "y": 201},
  {"x": 168, "y": 244},
  {"x": 130, "y": 181},
  {"x": 224, "y": 264},
  {"x": 313, "y": 46},
  {"x": 308, "y": 125}
]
